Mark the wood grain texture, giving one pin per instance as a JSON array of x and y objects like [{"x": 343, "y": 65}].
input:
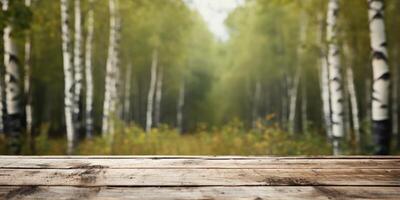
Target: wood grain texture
[
  {"x": 199, "y": 177},
  {"x": 186, "y": 193},
  {"x": 200, "y": 163},
  {"x": 99, "y": 176}
]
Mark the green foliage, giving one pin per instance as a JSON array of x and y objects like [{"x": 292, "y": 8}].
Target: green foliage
[{"x": 232, "y": 139}]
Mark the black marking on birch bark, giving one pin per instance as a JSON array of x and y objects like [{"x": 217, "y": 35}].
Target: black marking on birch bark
[
  {"x": 335, "y": 53},
  {"x": 335, "y": 12},
  {"x": 377, "y": 16},
  {"x": 336, "y": 79},
  {"x": 384, "y": 44},
  {"x": 14, "y": 59},
  {"x": 384, "y": 106},
  {"x": 340, "y": 100},
  {"x": 16, "y": 97},
  {"x": 375, "y": 99},
  {"x": 385, "y": 76},
  {"x": 341, "y": 114},
  {"x": 335, "y": 123},
  {"x": 379, "y": 56},
  {"x": 12, "y": 79}
]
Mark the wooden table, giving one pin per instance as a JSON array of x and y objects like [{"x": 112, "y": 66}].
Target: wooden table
[{"x": 197, "y": 177}]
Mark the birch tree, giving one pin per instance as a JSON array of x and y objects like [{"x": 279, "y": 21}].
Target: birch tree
[
  {"x": 27, "y": 85},
  {"x": 89, "y": 71},
  {"x": 353, "y": 95},
  {"x": 158, "y": 97},
  {"x": 179, "y": 109},
  {"x": 111, "y": 70},
  {"x": 78, "y": 69},
  {"x": 296, "y": 80},
  {"x": 2, "y": 109},
  {"x": 256, "y": 102},
  {"x": 335, "y": 77},
  {"x": 12, "y": 89},
  {"x": 381, "y": 126},
  {"x": 68, "y": 75},
  {"x": 127, "y": 96},
  {"x": 152, "y": 88}
]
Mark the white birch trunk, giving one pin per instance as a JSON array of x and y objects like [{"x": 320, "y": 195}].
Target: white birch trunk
[
  {"x": 78, "y": 69},
  {"x": 27, "y": 85},
  {"x": 127, "y": 101},
  {"x": 335, "y": 77},
  {"x": 111, "y": 71},
  {"x": 89, "y": 72},
  {"x": 181, "y": 104},
  {"x": 116, "y": 62},
  {"x": 326, "y": 106},
  {"x": 381, "y": 77},
  {"x": 2, "y": 113},
  {"x": 354, "y": 104},
  {"x": 324, "y": 80},
  {"x": 293, "y": 102},
  {"x": 68, "y": 75},
  {"x": 157, "y": 109},
  {"x": 13, "y": 92},
  {"x": 152, "y": 88}
]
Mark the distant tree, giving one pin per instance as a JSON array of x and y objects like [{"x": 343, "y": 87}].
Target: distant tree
[
  {"x": 78, "y": 69},
  {"x": 152, "y": 89},
  {"x": 112, "y": 70},
  {"x": 89, "y": 71}
]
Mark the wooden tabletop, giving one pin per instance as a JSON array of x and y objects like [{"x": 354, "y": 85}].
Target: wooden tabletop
[{"x": 199, "y": 177}]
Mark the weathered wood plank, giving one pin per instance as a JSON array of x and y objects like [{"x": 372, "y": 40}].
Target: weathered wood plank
[
  {"x": 98, "y": 176},
  {"x": 203, "y": 157},
  {"x": 200, "y": 163},
  {"x": 186, "y": 193}
]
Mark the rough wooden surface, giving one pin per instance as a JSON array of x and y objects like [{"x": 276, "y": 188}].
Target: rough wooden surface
[{"x": 199, "y": 177}]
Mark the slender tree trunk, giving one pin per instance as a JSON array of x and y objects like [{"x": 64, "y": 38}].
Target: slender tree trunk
[
  {"x": 89, "y": 72},
  {"x": 284, "y": 108},
  {"x": 326, "y": 106},
  {"x": 111, "y": 71},
  {"x": 381, "y": 78},
  {"x": 116, "y": 109},
  {"x": 157, "y": 111},
  {"x": 27, "y": 87},
  {"x": 296, "y": 80},
  {"x": 304, "y": 117},
  {"x": 78, "y": 70},
  {"x": 13, "y": 92},
  {"x": 68, "y": 75},
  {"x": 335, "y": 76},
  {"x": 293, "y": 102},
  {"x": 181, "y": 104},
  {"x": 324, "y": 80},
  {"x": 256, "y": 103},
  {"x": 2, "y": 92},
  {"x": 2, "y": 110},
  {"x": 354, "y": 105},
  {"x": 152, "y": 88},
  {"x": 395, "y": 98},
  {"x": 127, "y": 101}
]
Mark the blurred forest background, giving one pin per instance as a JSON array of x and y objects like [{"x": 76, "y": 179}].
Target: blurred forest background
[{"x": 148, "y": 77}]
